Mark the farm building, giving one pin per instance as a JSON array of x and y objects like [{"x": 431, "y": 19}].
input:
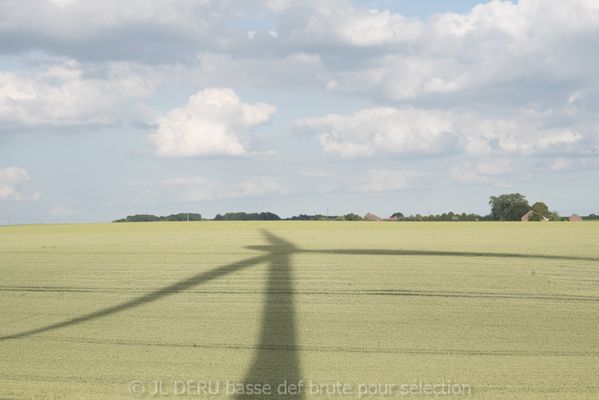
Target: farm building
[
  {"x": 371, "y": 217},
  {"x": 526, "y": 216},
  {"x": 575, "y": 218}
]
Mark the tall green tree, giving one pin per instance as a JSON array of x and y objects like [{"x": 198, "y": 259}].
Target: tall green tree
[
  {"x": 508, "y": 207},
  {"x": 540, "y": 211}
]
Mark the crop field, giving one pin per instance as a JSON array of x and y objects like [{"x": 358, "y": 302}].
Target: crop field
[{"x": 334, "y": 310}]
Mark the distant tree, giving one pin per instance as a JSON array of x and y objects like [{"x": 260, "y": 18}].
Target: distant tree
[
  {"x": 540, "y": 211},
  {"x": 352, "y": 217},
  {"x": 140, "y": 218},
  {"x": 154, "y": 218},
  {"x": 554, "y": 216},
  {"x": 397, "y": 215},
  {"x": 508, "y": 207},
  {"x": 243, "y": 216},
  {"x": 268, "y": 216},
  {"x": 182, "y": 217},
  {"x": 317, "y": 217},
  {"x": 301, "y": 217}
]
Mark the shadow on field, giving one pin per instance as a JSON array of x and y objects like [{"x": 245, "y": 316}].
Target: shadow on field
[
  {"x": 177, "y": 287},
  {"x": 276, "y": 360},
  {"x": 279, "y": 285},
  {"x": 429, "y": 253}
]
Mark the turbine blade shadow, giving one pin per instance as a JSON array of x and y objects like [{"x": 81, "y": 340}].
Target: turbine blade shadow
[
  {"x": 383, "y": 252},
  {"x": 165, "y": 291}
]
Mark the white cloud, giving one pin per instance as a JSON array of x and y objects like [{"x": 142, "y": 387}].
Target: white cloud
[
  {"x": 213, "y": 122},
  {"x": 386, "y": 180},
  {"x": 558, "y": 139},
  {"x": 521, "y": 135},
  {"x": 561, "y": 164},
  {"x": 499, "y": 51},
  {"x": 115, "y": 29},
  {"x": 481, "y": 172},
  {"x": 12, "y": 180},
  {"x": 382, "y": 129},
  {"x": 570, "y": 164},
  {"x": 341, "y": 23},
  {"x": 406, "y": 130},
  {"x": 205, "y": 189},
  {"x": 62, "y": 93},
  {"x": 226, "y": 70},
  {"x": 404, "y": 77}
]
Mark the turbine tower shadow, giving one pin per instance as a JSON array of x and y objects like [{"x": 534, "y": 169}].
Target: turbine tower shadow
[{"x": 277, "y": 361}]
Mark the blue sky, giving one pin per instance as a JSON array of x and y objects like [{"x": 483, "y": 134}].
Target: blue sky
[{"x": 112, "y": 108}]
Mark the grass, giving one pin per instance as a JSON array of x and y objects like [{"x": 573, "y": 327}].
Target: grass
[{"x": 510, "y": 309}]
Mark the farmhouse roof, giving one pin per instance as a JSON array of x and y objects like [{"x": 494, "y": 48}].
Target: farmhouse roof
[
  {"x": 575, "y": 218},
  {"x": 371, "y": 217},
  {"x": 526, "y": 216}
]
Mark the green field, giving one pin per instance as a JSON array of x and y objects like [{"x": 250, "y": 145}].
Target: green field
[{"x": 509, "y": 309}]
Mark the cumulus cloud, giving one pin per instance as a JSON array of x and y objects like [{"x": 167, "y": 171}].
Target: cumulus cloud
[
  {"x": 481, "y": 172},
  {"x": 213, "y": 122},
  {"x": 388, "y": 180},
  {"x": 111, "y": 29},
  {"x": 501, "y": 53},
  {"x": 12, "y": 181},
  {"x": 65, "y": 93},
  {"x": 331, "y": 23},
  {"x": 382, "y": 129},
  {"x": 409, "y": 130},
  {"x": 562, "y": 164}
]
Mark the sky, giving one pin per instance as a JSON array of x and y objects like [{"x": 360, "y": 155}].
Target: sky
[{"x": 112, "y": 108}]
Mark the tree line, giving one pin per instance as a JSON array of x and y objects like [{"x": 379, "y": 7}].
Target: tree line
[
  {"x": 505, "y": 207},
  {"x": 155, "y": 218}
]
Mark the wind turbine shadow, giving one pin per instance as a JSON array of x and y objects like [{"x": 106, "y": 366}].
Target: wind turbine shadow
[{"x": 277, "y": 361}]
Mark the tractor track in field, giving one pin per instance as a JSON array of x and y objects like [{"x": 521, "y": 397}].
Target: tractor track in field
[
  {"x": 354, "y": 292},
  {"x": 325, "y": 349}
]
